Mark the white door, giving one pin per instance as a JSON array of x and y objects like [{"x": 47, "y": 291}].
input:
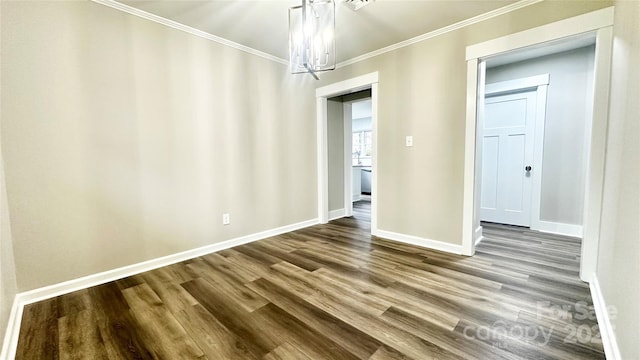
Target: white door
[{"x": 507, "y": 158}]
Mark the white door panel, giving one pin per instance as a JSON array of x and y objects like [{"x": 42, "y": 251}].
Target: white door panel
[
  {"x": 507, "y": 148},
  {"x": 489, "y": 199},
  {"x": 504, "y": 114},
  {"x": 514, "y": 181}
]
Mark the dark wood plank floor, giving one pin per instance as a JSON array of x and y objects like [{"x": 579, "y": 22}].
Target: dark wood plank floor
[{"x": 333, "y": 292}]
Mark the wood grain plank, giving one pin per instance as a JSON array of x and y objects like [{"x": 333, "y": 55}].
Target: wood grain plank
[
  {"x": 215, "y": 340},
  {"x": 388, "y": 353},
  {"x": 174, "y": 296},
  {"x": 287, "y": 351},
  {"x": 119, "y": 331},
  {"x": 303, "y": 336},
  {"x": 234, "y": 318},
  {"x": 72, "y": 303},
  {"x": 350, "y": 338},
  {"x": 84, "y": 344},
  {"x": 233, "y": 288},
  {"x": 415, "y": 304},
  {"x": 224, "y": 265},
  {"x": 164, "y": 335},
  {"x": 38, "y": 337},
  {"x": 290, "y": 257}
]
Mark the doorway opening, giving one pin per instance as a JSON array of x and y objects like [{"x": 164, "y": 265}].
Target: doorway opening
[
  {"x": 533, "y": 138},
  {"x": 350, "y": 145},
  {"x": 338, "y": 177},
  {"x": 509, "y": 155},
  {"x": 581, "y": 31}
]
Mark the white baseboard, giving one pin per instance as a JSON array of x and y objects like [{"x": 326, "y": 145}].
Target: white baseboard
[
  {"x": 336, "y": 214},
  {"x": 477, "y": 235},
  {"x": 414, "y": 240},
  {"x": 558, "y": 228},
  {"x": 10, "y": 342},
  {"x": 607, "y": 333}
]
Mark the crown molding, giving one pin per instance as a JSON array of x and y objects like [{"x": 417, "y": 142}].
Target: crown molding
[
  {"x": 188, "y": 29},
  {"x": 193, "y": 31},
  {"x": 476, "y": 19}
]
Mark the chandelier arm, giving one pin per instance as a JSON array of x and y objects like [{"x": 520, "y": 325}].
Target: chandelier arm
[{"x": 310, "y": 70}]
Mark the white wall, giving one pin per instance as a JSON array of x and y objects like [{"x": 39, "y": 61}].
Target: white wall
[
  {"x": 619, "y": 252},
  {"x": 144, "y": 135},
  {"x": 568, "y": 99},
  {"x": 125, "y": 140}
]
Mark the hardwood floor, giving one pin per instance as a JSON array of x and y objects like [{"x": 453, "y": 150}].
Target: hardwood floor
[{"x": 333, "y": 292}]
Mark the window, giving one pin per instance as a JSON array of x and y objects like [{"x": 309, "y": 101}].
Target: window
[{"x": 361, "y": 147}]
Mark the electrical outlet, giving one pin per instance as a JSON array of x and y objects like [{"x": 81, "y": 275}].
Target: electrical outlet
[
  {"x": 226, "y": 219},
  {"x": 409, "y": 140}
]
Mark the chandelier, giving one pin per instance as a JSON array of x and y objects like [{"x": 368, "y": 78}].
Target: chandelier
[{"x": 312, "y": 42}]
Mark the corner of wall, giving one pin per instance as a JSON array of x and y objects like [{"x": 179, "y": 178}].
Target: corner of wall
[{"x": 8, "y": 283}]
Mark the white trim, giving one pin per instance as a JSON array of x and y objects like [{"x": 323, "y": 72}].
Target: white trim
[
  {"x": 348, "y": 162},
  {"x": 564, "y": 28},
  {"x": 336, "y": 214},
  {"x": 50, "y": 291},
  {"x": 516, "y": 84},
  {"x": 607, "y": 331},
  {"x": 600, "y": 20},
  {"x": 459, "y": 25},
  {"x": 418, "y": 241},
  {"x": 322, "y": 94},
  {"x": 188, "y": 29},
  {"x": 348, "y": 86},
  {"x": 594, "y": 184},
  {"x": 469, "y": 160},
  {"x": 10, "y": 342},
  {"x": 47, "y": 292},
  {"x": 538, "y": 155},
  {"x": 559, "y": 228},
  {"x": 477, "y": 235},
  {"x": 374, "y": 156},
  {"x": 322, "y": 159},
  {"x": 481, "y": 71}
]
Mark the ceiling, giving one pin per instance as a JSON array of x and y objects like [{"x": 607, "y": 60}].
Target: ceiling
[
  {"x": 263, "y": 24},
  {"x": 361, "y": 109}
]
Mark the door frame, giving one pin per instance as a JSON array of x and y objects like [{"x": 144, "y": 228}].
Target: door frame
[
  {"x": 599, "y": 23},
  {"x": 348, "y": 155},
  {"x": 363, "y": 82},
  {"x": 539, "y": 84}
]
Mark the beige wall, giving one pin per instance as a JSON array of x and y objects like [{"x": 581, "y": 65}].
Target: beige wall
[
  {"x": 566, "y": 124},
  {"x": 619, "y": 251},
  {"x": 125, "y": 140},
  {"x": 335, "y": 153},
  {"x": 422, "y": 92},
  {"x": 8, "y": 287}
]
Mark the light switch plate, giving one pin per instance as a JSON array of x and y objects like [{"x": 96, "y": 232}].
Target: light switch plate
[{"x": 409, "y": 141}]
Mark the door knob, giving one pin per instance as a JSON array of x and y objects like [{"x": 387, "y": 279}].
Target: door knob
[{"x": 527, "y": 168}]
